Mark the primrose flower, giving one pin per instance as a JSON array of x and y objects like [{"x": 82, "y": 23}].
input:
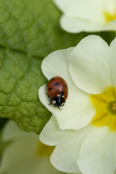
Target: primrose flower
[
  {"x": 25, "y": 154},
  {"x": 84, "y": 131},
  {"x": 87, "y": 15}
]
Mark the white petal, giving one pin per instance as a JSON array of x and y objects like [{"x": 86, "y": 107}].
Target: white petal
[
  {"x": 89, "y": 15},
  {"x": 52, "y": 134},
  {"x": 89, "y": 65},
  {"x": 11, "y": 131},
  {"x": 66, "y": 152},
  {"x": 77, "y": 111},
  {"x": 112, "y": 62},
  {"x": 76, "y": 25},
  {"x": 98, "y": 154},
  {"x": 56, "y": 64},
  {"x": 89, "y": 9}
]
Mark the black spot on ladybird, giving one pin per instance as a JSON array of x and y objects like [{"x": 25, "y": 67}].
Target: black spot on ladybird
[
  {"x": 66, "y": 86},
  {"x": 56, "y": 84},
  {"x": 50, "y": 89}
]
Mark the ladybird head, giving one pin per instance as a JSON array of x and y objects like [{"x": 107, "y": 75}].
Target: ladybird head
[{"x": 59, "y": 100}]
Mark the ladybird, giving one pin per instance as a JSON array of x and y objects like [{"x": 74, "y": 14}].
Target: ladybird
[{"x": 57, "y": 91}]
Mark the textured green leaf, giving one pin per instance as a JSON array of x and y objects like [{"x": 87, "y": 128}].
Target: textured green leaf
[
  {"x": 20, "y": 78},
  {"x": 29, "y": 30}
]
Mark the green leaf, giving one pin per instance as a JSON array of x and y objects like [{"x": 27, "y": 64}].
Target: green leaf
[
  {"x": 29, "y": 30},
  {"x": 32, "y": 27}
]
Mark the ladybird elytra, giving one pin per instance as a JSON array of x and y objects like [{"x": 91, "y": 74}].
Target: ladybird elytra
[{"x": 57, "y": 90}]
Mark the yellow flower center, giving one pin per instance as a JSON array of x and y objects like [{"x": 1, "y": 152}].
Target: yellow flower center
[
  {"x": 43, "y": 150},
  {"x": 105, "y": 105},
  {"x": 110, "y": 17}
]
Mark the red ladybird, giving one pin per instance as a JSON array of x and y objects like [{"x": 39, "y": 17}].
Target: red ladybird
[{"x": 57, "y": 90}]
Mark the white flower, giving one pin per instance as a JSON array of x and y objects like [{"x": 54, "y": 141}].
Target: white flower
[
  {"x": 25, "y": 154},
  {"x": 87, "y": 15},
  {"x": 84, "y": 131}
]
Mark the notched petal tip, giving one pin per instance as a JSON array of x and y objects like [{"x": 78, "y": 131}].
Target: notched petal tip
[{"x": 89, "y": 65}]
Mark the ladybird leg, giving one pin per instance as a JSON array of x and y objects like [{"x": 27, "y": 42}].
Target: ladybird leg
[
  {"x": 50, "y": 102},
  {"x": 59, "y": 108}
]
